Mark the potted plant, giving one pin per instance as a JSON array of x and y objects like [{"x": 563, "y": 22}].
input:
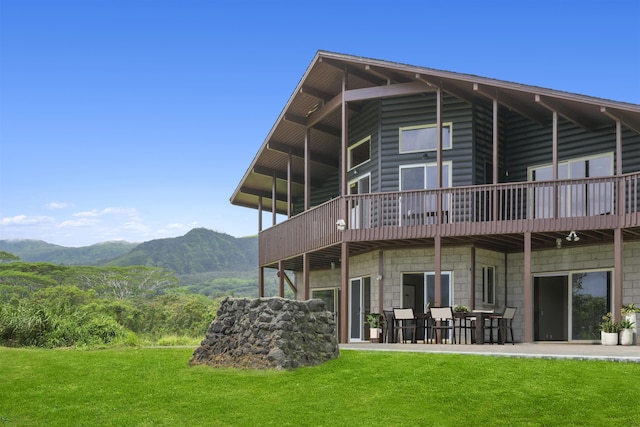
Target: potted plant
[
  {"x": 626, "y": 331},
  {"x": 461, "y": 309},
  {"x": 609, "y": 329},
  {"x": 373, "y": 319},
  {"x": 630, "y": 312}
]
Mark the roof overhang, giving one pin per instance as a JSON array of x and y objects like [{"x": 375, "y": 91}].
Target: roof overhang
[{"x": 314, "y": 112}]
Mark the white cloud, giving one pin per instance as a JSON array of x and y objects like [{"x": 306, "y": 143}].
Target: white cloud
[
  {"x": 90, "y": 214},
  {"x": 56, "y": 205},
  {"x": 91, "y": 226},
  {"x": 26, "y": 220}
]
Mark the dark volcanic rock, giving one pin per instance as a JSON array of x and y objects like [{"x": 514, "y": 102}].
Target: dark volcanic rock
[{"x": 269, "y": 333}]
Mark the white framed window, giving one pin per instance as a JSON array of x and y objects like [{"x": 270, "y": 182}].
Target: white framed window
[
  {"x": 574, "y": 200},
  {"x": 361, "y": 212},
  {"x": 360, "y": 153},
  {"x": 417, "y": 139},
  {"x": 418, "y": 207},
  {"x": 489, "y": 285}
]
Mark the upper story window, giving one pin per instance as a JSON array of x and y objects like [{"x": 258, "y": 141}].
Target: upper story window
[
  {"x": 360, "y": 152},
  {"x": 573, "y": 200},
  {"x": 424, "y": 138}
]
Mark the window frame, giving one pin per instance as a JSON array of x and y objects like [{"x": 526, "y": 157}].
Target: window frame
[
  {"x": 448, "y": 125},
  {"x": 353, "y": 147},
  {"x": 488, "y": 296}
]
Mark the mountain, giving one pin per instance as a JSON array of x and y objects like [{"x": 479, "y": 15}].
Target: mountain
[
  {"x": 39, "y": 251},
  {"x": 198, "y": 251}
]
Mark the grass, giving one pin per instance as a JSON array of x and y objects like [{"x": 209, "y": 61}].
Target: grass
[{"x": 150, "y": 387}]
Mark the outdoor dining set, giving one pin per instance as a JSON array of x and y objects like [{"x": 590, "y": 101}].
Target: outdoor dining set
[{"x": 447, "y": 325}]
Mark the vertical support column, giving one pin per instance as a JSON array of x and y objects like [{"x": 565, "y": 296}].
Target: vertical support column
[
  {"x": 496, "y": 132},
  {"x": 472, "y": 272},
  {"x": 306, "y": 294},
  {"x": 307, "y": 169},
  {"x": 289, "y": 185},
  {"x": 506, "y": 281},
  {"x": 261, "y": 282},
  {"x": 281, "y": 279},
  {"x": 555, "y": 163},
  {"x": 344, "y": 291},
  {"x": 528, "y": 291},
  {"x": 380, "y": 281},
  {"x": 260, "y": 269},
  {"x": 273, "y": 200},
  {"x": 260, "y": 210},
  {"x": 617, "y": 272},
  {"x": 618, "y": 263},
  {"x": 496, "y": 139},
  {"x": 437, "y": 268},
  {"x": 344, "y": 251},
  {"x": 438, "y": 239}
]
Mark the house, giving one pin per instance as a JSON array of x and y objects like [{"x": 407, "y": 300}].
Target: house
[{"x": 391, "y": 185}]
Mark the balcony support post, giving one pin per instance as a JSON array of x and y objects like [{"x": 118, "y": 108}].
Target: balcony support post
[
  {"x": 344, "y": 252},
  {"x": 289, "y": 184},
  {"x": 307, "y": 169},
  {"x": 617, "y": 272},
  {"x": 261, "y": 282},
  {"x": 344, "y": 293},
  {"x": 305, "y": 276},
  {"x": 528, "y": 291},
  {"x": 437, "y": 269},
  {"x": 281, "y": 279}
]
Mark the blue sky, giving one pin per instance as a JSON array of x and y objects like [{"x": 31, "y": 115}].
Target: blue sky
[{"x": 136, "y": 119}]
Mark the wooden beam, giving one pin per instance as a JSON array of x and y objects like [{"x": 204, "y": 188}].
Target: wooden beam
[
  {"x": 342, "y": 66},
  {"x": 324, "y": 111},
  {"x": 315, "y": 157},
  {"x": 512, "y": 105},
  {"x": 316, "y": 93},
  {"x": 388, "y": 75},
  {"x": 553, "y": 105},
  {"x": 281, "y": 175},
  {"x": 619, "y": 118},
  {"x": 302, "y": 121},
  {"x": 399, "y": 89},
  {"x": 262, "y": 193}
]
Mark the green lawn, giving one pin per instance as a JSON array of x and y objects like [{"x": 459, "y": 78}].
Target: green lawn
[{"x": 149, "y": 387}]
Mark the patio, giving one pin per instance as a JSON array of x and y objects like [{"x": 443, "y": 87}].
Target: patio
[{"x": 616, "y": 353}]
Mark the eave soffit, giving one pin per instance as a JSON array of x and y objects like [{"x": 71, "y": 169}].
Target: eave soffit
[{"x": 317, "y": 99}]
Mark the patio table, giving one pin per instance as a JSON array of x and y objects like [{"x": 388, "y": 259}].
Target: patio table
[{"x": 480, "y": 317}]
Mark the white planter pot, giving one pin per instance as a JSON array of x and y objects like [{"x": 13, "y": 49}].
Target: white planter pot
[
  {"x": 374, "y": 334},
  {"x": 626, "y": 336},
  {"x": 633, "y": 317},
  {"x": 609, "y": 338}
]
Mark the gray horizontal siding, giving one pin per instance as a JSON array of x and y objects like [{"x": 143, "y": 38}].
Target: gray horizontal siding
[
  {"x": 417, "y": 110},
  {"x": 530, "y": 144}
]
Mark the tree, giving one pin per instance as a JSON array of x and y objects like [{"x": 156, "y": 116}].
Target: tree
[{"x": 8, "y": 257}]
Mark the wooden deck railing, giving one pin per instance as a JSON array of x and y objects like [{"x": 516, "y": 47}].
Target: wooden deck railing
[{"x": 592, "y": 203}]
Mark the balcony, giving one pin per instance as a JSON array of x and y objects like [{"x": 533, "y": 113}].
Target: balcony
[{"x": 480, "y": 212}]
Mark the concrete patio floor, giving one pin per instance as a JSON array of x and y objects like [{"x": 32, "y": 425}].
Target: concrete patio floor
[{"x": 616, "y": 353}]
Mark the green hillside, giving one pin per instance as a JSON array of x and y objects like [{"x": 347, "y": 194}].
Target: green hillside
[
  {"x": 39, "y": 251},
  {"x": 198, "y": 251}
]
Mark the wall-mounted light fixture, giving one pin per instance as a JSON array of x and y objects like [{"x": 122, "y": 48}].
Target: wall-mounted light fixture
[
  {"x": 379, "y": 277},
  {"x": 572, "y": 237},
  {"x": 341, "y": 225}
]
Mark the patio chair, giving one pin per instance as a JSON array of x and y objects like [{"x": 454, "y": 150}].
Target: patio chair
[
  {"x": 404, "y": 320},
  {"x": 502, "y": 323},
  {"x": 388, "y": 330},
  {"x": 466, "y": 323},
  {"x": 441, "y": 322}
]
